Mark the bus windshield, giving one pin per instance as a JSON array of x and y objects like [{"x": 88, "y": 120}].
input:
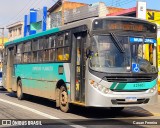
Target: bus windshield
[{"x": 111, "y": 55}]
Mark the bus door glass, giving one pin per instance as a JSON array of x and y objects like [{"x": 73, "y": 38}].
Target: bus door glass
[
  {"x": 10, "y": 61},
  {"x": 80, "y": 68}
]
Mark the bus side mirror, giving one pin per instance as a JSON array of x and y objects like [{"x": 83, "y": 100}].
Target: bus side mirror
[{"x": 87, "y": 52}]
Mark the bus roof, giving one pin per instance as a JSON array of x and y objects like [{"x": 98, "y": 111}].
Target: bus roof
[
  {"x": 50, "y": 31},
  {"x": 71, "y": 25},
  {"x": 32, "y": 36}
]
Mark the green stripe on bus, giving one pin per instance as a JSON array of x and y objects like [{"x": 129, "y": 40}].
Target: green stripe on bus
[
  {"x": 135, "y": 86},
  {"x": 121, "y": 86},
  {"x": 113, "y": 85}
]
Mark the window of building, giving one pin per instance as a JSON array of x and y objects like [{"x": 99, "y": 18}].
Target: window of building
[
  {"x": 10, "y": 33},
  {"x": 56, "y": 19},
  {"x": 19, "y": 31}
]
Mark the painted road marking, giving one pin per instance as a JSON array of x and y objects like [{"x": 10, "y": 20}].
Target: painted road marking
[{"x": 42, "y": 114}]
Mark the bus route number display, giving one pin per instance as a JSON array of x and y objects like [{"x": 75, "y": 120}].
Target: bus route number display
[{"x": 126, "y": 27}]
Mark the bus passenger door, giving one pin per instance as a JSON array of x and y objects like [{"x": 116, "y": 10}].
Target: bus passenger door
[
  {"x": 79, "y": 79},
  {"x": 9, "y": 69}
]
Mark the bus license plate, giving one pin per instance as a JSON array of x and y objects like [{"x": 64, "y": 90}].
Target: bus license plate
[{"x": 131, "y": 99}]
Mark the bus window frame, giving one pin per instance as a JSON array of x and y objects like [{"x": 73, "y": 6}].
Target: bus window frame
[
  {"x": 50, "y": 49},
  {"x": 63, "y": 34}
]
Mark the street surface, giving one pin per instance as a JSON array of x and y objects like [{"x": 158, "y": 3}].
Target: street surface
[{"x": 35, "y": 108}]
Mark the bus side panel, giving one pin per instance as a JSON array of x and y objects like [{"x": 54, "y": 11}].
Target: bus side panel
[
  {"x": 4, "y": 69},
  {"x": 14, "y": 83},
  {"x": 41, "y": 79}
]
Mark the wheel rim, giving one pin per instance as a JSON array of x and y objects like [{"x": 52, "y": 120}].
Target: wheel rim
[
  {"x": 63, "y": 99},
  {"x": 19, "y": 91}
]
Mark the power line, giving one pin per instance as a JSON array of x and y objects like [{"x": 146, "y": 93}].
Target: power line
[
  {"x": 22, "y": 12},
  {"x": 36, "y": 4},
  {"x": 22, "y": 15},
  {"x": 11, "y": 19},
  {"x": 18, "y": 16},
  {"x": 119, "y": 3}
]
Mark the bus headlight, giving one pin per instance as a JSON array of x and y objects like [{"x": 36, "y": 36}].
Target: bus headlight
[
  {"x": 100, "y": 87},
  {"x": 153, "y": 89}
]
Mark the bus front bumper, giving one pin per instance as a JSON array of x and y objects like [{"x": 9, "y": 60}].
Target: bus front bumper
[{"x": 120, "y": 99}]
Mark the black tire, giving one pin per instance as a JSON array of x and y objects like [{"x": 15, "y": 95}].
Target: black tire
[
  {"x": 2, "y": 88},
  {"x": 117, "y": 109},
  {"x": 63, "y": 99},
  {"x": 20, "y": 94}
]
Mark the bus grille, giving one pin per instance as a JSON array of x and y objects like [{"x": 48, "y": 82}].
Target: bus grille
[
  {"x": 141, "y": 90},
  {"x": 129, "y": 79},
  {"x": 123, "y": 102}
]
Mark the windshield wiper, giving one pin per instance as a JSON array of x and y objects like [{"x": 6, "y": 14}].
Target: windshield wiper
[{"x": 117, "y": 43}]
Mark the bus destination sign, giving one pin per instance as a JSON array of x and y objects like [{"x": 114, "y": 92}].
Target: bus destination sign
[
  {"x": 105, "y": 24},
  {"x": 126, "y": 27}
]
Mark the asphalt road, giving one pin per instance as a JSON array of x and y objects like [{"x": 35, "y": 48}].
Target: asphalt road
[{"x": 45, "y": 112}]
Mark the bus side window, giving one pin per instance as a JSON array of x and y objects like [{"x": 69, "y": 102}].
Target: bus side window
[
  {"x": 27, "y": 52},
  {"x": 67, "y": 44},
  {"x": 19, "y": 53},
  {"x": 46, "y": 55},
  {"x": 52, "y": 54},
  {"x": 59, "y": 44},
  {"x": 40, "y": 49},
  {"x": 35, "y": 47},
  {"x": 63, "y": 47}
]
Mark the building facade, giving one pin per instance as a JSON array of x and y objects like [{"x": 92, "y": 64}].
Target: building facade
[
  {"x": 35, "y": 21},
  {"x": 15, "y": 30},
  {"x": 3, "y": 40},
  {"x": 56, "y": 12}
]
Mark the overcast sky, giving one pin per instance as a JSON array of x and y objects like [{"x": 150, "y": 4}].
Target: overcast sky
[{"x": 14, "y": 10}]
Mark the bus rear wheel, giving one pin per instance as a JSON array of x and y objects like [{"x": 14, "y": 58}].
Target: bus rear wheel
[
  {"x": 19, "y": 90},
  {"x": 64, "y": 105}
]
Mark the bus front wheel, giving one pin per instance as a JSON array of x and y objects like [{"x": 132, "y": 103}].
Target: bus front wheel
[
  {"x": 19, "y": 90},
  {"x": 64, "y": 105}
]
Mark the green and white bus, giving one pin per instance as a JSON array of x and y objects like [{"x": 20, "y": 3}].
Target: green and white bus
[{"x": 95, "y": 62}]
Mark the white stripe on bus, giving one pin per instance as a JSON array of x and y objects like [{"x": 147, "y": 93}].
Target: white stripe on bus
[{"x": 67, "y": 71}]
